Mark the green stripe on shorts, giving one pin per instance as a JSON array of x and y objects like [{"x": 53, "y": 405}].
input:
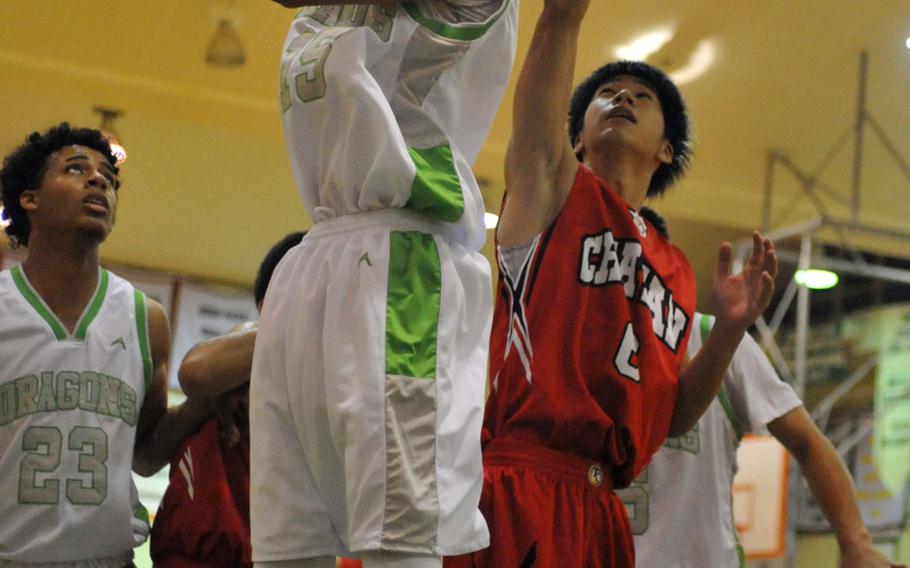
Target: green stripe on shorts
[
  {"x": 412, "y": 305},
  {"x": 436, "y": 191}
]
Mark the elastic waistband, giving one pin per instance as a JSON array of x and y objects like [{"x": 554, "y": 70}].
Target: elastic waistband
[
  {"x": 510, "y": 452},
  {"x": 395, "y": 219}
]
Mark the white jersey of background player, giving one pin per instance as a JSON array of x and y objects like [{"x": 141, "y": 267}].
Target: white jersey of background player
[
  {"x": 369, "y": 370},
  {"x": 83, "y": 366},
  {"x": 67, "y": 399},
  {"x": 680, "y": 508}
]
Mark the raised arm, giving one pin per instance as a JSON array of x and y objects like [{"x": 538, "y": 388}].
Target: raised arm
[
  {"x": 540, "y": 164},
  {"x": 161, "y": 429},
  {"x": 739, "y": 299},
  {"x": 831, "y": 485},
  {"x": 219, "y": 364}
]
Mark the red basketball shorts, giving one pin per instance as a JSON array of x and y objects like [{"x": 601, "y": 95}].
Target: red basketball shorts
[{"x": 548, "y": 509}]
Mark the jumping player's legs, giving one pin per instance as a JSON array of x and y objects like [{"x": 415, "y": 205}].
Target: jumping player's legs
[
  {"x": 288, "y": 516},
  {"x": 377, "y": 338},
  {"x": 411, "y": 330}
]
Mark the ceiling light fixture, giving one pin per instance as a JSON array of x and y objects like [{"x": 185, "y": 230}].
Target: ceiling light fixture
[
  {"x": 907, "y": 43},
  {"x": 642, "y": 47},
  {"x": 816, "y": 279},
  {"x": 225, "y": 49},
  {"x": 108, "y": 115},
  {"x": 702, "y": 59}
]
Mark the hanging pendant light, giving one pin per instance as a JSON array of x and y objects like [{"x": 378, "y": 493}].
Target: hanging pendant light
[
  {"x": 108, "y": 115},
  {"x": 225, "y": 49}
]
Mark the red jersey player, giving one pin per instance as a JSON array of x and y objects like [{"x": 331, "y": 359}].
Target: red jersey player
[{"x": 594, "y": 307}]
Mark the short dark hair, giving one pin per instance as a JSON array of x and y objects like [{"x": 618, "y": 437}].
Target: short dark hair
[
  {"x": 676, "y": 118},
  {"x": 24, "y": 168},
  {"x": 271, "y": 260},
  {"x": 659, "y": 222}
]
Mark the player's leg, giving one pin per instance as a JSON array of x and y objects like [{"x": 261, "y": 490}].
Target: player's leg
[
  {"x": 392, "y": 372},
  {"x": 462, "y": 347},
  {"x": 289, "y": 517}
]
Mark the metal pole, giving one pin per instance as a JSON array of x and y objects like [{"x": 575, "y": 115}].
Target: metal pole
[
  {"x": 860, "y": 126},
  {"x": 802, "y": 317},
  {"x": 769, "y": 187}
]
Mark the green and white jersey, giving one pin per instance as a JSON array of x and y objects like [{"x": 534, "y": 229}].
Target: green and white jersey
[
  {"x": 69, "y": 403},
  {"x": 387, "y": 106},
  {"x": 681, "y": 507}
]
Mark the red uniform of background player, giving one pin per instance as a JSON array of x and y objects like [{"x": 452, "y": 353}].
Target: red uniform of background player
[
  {"x": 204, "y": 518},
  {"x": 594, "y": 308}
]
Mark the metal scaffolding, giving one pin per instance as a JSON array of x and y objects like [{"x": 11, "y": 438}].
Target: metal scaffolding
[{"x": 844, "y": 229}]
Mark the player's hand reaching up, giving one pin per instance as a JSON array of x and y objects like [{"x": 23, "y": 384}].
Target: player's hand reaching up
[{"x": 740, "y": 298}]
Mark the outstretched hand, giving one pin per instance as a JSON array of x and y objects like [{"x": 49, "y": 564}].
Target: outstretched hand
[{"x": 739, "y": 299}]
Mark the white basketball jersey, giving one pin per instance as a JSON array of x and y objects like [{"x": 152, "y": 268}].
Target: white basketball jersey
[
  {"x": 69, "y": 404},
  {"x": 681, "y": 507},
  {"x": 388, "y": 105}
]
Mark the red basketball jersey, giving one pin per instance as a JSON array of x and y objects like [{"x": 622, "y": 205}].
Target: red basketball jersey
[
  {"x": 589, "y": 334},
  {"x": 204, "y": 517}
]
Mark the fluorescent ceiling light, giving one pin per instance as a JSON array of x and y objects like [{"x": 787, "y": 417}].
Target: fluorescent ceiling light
[
  {"x": 702, "y": 59},
  {"x": 644, "y": 45},
  {"x": 490, "y": 220},
  {"x": 815, "y": 279},
  {"x": 907, "y": 43}
]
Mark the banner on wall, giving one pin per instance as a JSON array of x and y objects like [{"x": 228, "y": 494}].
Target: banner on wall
[
  {"x": 892, "y": 401},
  {"x": 203, "y": 313},
  {"x": 760, "y": 497},
  {"x": 881, "y": 508}
]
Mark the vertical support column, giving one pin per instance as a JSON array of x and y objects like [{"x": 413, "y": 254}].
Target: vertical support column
[
  {"x": 802, "y": 317},
  {"x": 769, "y": 188},
  {"x": 859, "y": 131}
]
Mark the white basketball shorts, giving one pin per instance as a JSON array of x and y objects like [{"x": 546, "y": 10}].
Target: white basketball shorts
[{"x": 367, "y": 392}]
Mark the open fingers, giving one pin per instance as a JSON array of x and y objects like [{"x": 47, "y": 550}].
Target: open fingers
[
  {"x": 765, "y": 290},
  {"x": 758, "y": 250},
  {"x": 724, "y": 260},
  {"x": 770, "y": 264}
]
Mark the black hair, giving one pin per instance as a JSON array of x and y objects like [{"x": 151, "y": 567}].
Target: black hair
[
  {"x": 271, "y": 260},
  {"x": 659, "y": 223},
  {"x": 24, "y": 169},
  {"x": 676, "y": 118}
]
